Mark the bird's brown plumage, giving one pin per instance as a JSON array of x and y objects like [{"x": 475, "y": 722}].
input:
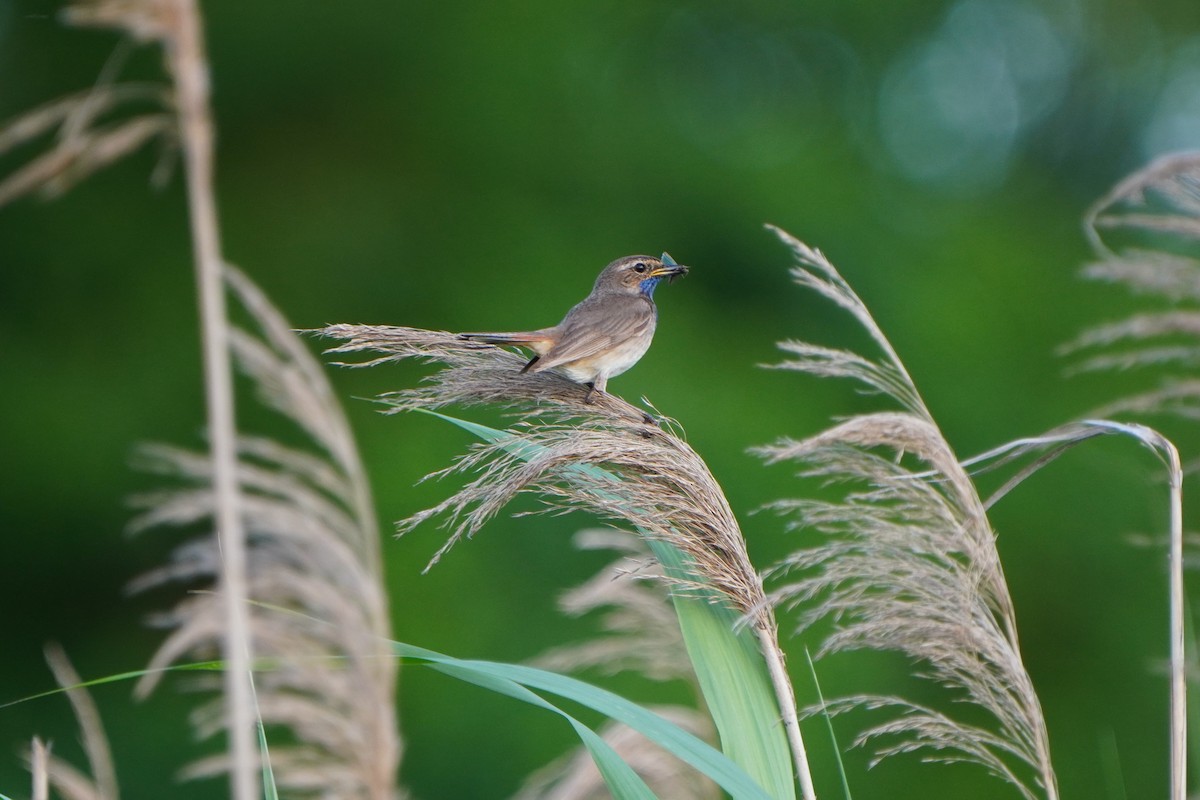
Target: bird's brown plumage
[{"x": 606, "y": 333}]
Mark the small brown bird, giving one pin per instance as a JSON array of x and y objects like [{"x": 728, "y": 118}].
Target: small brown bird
[{"x": 605, "y": 334}]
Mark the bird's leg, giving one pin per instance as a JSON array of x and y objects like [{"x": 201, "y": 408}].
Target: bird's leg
[{"x": 595, "y": 387}]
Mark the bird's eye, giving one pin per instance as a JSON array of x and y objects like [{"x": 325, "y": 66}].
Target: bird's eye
[{"x": 639, "y": 267}]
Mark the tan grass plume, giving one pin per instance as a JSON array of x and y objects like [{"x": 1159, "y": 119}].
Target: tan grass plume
[
  {"x": 319, "y": 618},
  {"x": 905, "y": 560}
]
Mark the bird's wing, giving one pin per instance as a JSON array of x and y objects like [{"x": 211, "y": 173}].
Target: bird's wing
[{"x": 591, "y": 329}]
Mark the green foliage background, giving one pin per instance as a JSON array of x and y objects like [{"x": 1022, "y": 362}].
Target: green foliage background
[{"x": 472, "y": 166}]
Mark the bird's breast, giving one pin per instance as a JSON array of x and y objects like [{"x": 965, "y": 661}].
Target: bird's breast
[{"x": 613, "y": 361}]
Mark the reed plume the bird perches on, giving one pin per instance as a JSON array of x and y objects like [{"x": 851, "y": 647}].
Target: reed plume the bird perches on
[
  {"x": 662, "y": 487},
  {"x": 666, "y": 489}
]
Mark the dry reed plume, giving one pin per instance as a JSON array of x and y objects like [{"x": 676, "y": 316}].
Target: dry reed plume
[
  {"x": 320, "y": 616},
  {"x": 50, "y": 771},
  {"x": 313, "y": 569},
  {"x": 1154, "y": 215},
  {"x": 91, "y": 135},
  {"x": 907, "y": 561},
  {"x": 1146, "y": 236},
  {"x": 664, "y": 488}
]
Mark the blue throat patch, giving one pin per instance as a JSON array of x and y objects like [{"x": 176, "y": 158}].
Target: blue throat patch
[{"x": 647, "y": 286}]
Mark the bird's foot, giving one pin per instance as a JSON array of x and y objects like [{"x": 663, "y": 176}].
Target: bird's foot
[{"x": 652, "y": 424}]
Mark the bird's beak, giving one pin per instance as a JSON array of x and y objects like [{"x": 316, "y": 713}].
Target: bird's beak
[{"x": 669, "y": 271}]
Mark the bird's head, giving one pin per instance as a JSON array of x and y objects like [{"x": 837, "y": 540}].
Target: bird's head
[{"x": 637, "y": 275}]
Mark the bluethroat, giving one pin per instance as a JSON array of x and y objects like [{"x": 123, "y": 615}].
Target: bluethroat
[{"x": 606, "y": 333}]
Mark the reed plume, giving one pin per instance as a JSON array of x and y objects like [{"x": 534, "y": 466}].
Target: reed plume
[
  {"x": 609, "y": 458},
  {"x": 1146, "y": 236},
  {"x": 906, "y": 561},
  {"x": 1145, "y": 233},
  {"x": 319, "y": 618},
  {"x": 313, "y": 567},
  {"x": 89, "y": 137},
  {"x": 50, "y": 771},
  {"x": 664, "y": 486}
]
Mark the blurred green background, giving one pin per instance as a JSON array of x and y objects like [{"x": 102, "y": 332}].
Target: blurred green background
[{"x": 472, "y": 166}]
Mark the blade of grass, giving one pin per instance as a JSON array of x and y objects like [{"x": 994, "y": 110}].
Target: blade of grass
[
  {"x": 270, "y": 790},
  {"x": 621, "y": 779},
  {"x": 208, "y": 666},
  {"x": 733, "y": 680},
  {"x": 617, "y": 774},
  {"x": 688, "y": 748},
  {"x": 837, "y": 750}
]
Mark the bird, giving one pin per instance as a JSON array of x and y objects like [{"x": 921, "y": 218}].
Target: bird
[{"x": 606, "y": 333}]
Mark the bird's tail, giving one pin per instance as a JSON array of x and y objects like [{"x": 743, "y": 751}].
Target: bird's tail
[
  {"x": 528, "y": 338},
  {"x": 537, "y": 341}
]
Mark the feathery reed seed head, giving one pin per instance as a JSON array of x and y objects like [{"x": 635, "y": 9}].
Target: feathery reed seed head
[
  {"x": 906, "y": 560},
  {"x": 603, "y": 457}
]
